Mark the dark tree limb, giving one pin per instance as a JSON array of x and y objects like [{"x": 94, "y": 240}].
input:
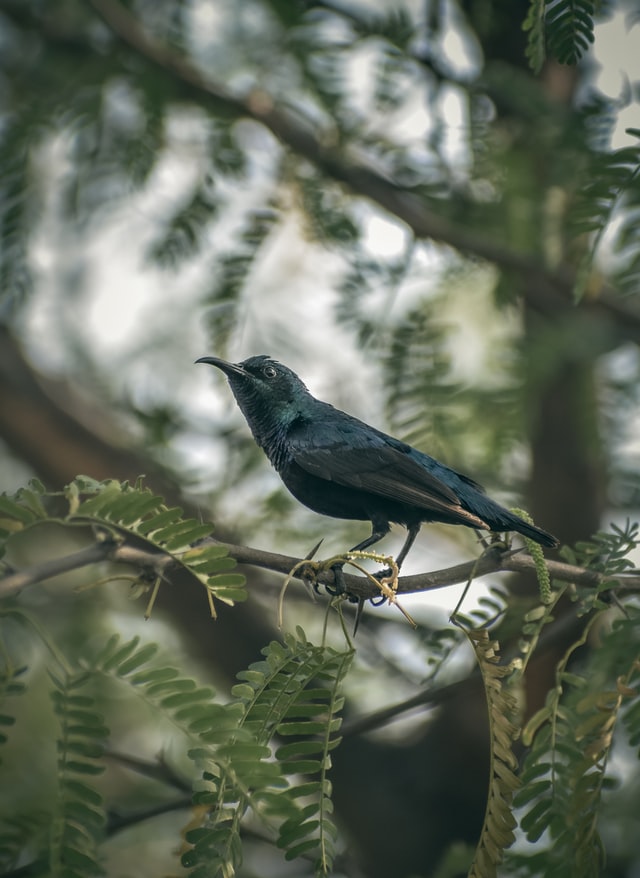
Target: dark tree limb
[{"x": 494, "y": 560}]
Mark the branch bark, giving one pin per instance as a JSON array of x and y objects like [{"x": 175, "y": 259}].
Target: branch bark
[{"x": 494, "y": 560}]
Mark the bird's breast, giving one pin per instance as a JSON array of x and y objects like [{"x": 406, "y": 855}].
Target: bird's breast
[{"x": 325, "y": 497}]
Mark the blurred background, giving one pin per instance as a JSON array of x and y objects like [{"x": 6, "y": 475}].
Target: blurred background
[{"x": 389, "y": 200}]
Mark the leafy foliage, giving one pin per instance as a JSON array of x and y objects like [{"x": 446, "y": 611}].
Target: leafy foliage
[
  {"x": 534, "y": 23},
  {"x": 569, "y": 29},
  {"x": 15, "y": 271},
  {"x": 427, "y": 406},
  {"x": 120, "y": 511},
  {"x": 570, "y": 738},
  {"x": 184, "y": 230},
  {"x": 565, "y": 26},
  {"x": 293, "y": 693},
  {"x": 10, "y": 686},
  {"x": 20, "y": 830},
  {"x": 224, "y": 303},
  {"x": 612, "y": 193},
  {"x": 419, "y": 339},
  {"x": 265, "y": 754},
  {"x": 72, "y": 147}
]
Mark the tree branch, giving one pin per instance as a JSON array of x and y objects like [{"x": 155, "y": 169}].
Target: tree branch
[
  {"x": 546, "y": 289},
  {"x": 296, "y": 133},
  {"x": 103, "y": 550},
  {"x": 493, "y": 560},
  {"x": 17, "y": 580}
]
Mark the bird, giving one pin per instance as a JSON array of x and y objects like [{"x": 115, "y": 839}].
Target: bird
[{"x": 340, "y": 466}]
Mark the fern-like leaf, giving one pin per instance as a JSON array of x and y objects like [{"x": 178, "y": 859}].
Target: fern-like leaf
[
  {"x": 235, "y": 766},
  {"x": 10, "y": 687},
  {"x": 293, "y": 693},
  {"x": 560, "y": 28},
  {"x": 142, "y": 513},
  {"x": 20, "y": 832},
  {"x": 79, "y": 821},
  {"x": 16, "y": 211},
  {"x": 534, "y": 24},
  {"x": 225, "y": 304},
  {"x": 570, "y": 737},
  {"x": 499, "y": 822},
  {"x": 612, "y": 192},
  {"x": 185, "y": 230},
  {"x": 569, "y": 28},
  {"x": 126, "y": 510}
]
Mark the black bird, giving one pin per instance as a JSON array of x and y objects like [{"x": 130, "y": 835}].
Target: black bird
[{"x": 339, "y": 466}]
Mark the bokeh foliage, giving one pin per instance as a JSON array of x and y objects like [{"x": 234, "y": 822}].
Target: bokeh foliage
[{"x": 232, "y": 155}]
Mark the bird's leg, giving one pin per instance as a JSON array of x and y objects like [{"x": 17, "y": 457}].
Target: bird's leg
[
  {"x": 379, "y": 529},
  {"x": 412, "y": 533}
]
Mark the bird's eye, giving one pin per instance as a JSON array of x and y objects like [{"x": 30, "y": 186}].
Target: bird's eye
[{"x": 269, "y": 372}]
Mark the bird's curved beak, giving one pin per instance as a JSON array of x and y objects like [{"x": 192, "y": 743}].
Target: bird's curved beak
[{"x": 227, "y": 368}]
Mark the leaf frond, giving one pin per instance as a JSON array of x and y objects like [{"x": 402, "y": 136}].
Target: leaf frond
[
  {"x": 78, "y": 824},
  {"x": 499, "y": 821}
]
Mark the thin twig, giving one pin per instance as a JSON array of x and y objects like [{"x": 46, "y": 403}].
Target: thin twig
[{"x": 15, "y": 582}]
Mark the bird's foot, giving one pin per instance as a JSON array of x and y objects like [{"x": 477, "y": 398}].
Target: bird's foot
[
  {"x": 376, "y": 600},
  {"x": 310, "y": 572},
  {"x": 386, "y": 580},
  {"x": 339, "y": 586}
]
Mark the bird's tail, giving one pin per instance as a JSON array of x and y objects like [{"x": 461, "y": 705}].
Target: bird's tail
[{"x": 533, "y": 533}]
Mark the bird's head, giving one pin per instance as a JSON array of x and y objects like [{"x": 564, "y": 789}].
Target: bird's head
[{"x": 266, "y": 391}]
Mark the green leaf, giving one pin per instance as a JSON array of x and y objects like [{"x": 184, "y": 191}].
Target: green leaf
[
  {"x": 16, "y": 510},
  {"x": 181, "y": 533},
  {"x": 227, "y": 581},
  {"x": 159, "y": 521},
  {"x": 120, "y": 655},
  {"x": 204, "y": 555},
  {"x": 301, "y": 728},
  {"x": 155, "y": 675},
  {"x": 536, "y": 820},
  {"x": 81, "y": 791},
  {"x": 143, "y": 655},
  {"x": 82, "y": 748},
  {"x": 301, "y": 849},
  {"x": 83, "y": 767}
]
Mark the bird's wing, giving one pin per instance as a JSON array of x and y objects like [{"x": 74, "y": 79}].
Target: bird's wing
[{"x": 370, "y": 463}]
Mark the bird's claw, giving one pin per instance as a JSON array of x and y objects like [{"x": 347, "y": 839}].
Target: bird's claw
[
  {"x": 339, "y": 587},
  {"x": 309, "y": 571}
]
